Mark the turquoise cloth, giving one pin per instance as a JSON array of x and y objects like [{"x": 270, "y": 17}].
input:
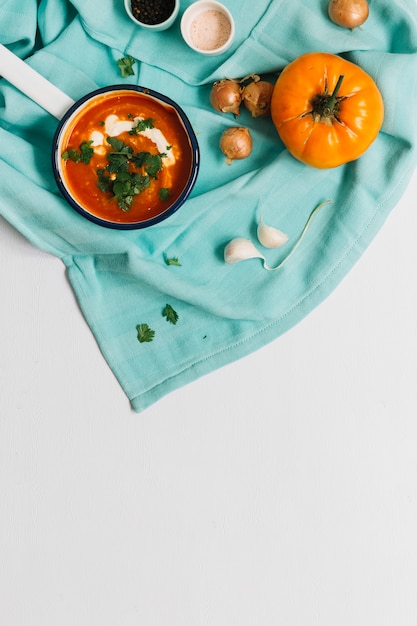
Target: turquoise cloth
[{"x": 120, "y": 278}]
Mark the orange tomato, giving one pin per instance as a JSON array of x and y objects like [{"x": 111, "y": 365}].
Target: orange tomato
[{"x": 318, "y": 129}]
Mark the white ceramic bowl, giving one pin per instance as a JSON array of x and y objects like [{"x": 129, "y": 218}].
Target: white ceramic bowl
[
  {"x": 208, "y": 27},
  {"x": 156, "y": 27}
]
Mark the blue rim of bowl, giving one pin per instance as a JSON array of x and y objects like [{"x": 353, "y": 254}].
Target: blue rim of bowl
[{"x": 195, "y": 158}]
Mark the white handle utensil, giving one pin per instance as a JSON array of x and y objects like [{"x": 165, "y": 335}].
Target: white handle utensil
[{"x": 32, "y": 84}]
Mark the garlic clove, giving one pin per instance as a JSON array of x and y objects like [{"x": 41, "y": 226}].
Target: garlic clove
[
  {"x": 269, "y": 236},
  {"x": 241, "y": 249}
]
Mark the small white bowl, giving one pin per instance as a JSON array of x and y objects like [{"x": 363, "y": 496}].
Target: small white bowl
[
  {"x": 156, "y": 27},
  {"x": 208, "y": 27}
]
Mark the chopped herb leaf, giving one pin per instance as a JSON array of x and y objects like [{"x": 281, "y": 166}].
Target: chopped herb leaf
[
  {"x": 72, "y": 155},
  {"x": 154, "y": 164},
  {"x": 104, "y": 182},
  {"x": 125, "y": 66},
  {"x": 170, "y": 314},
  {"x": 139, "y": 159},
  {"x": 119, "y": 177},
  {"x": 83, "y": 155},
  {"x": 164, "y": 193},
  {"x": 127, "y": 185},
  {"x": 172, "y": 261},
  {"x": 117, "y": 162},
  {"x": 142, "y": 125},
  {"x": 145, "y": 334},
  {"x": 86, "y": 151},
  {"x": 119, "y": 146}
]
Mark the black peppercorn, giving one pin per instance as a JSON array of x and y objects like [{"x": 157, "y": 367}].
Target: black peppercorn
[{"x": 152, "y": 12}]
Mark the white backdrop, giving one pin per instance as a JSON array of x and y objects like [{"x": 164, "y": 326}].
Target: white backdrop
[{"x": 281, "y": 489}]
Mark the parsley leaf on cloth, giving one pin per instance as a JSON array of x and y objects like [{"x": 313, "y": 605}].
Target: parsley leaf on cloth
[
  {"x": 170, "y": 314},
  {"x": 172, "y": 261},
  {"x": 145, "y": 333},
  {"x": 125, "y": 66}
]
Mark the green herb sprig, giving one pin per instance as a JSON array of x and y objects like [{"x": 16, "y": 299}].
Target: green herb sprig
[
  {"x": 82, "y": 155},
  {"x": 145, "y": 333},
  {"x": 170, "y": 314},
  {"x": 118, "y": 177},
  {"x": 125, "y": 66},
  {"x": 172, "y": 261},
  {"x": 142, "y": 125}
]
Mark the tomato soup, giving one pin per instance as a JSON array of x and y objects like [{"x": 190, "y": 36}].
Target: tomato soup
[{"x": 125, "y": 156}]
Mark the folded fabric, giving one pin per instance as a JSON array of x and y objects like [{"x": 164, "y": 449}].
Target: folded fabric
[{"x": 121, "y": 278}]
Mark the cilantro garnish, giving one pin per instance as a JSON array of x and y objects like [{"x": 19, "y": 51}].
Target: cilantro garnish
[
  {"x": 127, "y": 185},
  {"x": 120, "y": 179},
  {"x": 145, "y": 333},
  {"x": 153, "y": 164},
  {"x": 125, "y": 66},
  {"x": 164, "y": 194},
  {"x": 170, "y": 314},
  {"x": 142, "y": 125},
  {"x": 126, "y": 174},
  {"x": 82, "y": 155}
]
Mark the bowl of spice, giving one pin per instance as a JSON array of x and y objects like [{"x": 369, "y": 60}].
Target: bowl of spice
[
  {"x": 207, "y": 27},
  {"x": 153, "y": 14}
]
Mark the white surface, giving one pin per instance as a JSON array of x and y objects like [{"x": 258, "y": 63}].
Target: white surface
[{"x": 281, "y": 489}]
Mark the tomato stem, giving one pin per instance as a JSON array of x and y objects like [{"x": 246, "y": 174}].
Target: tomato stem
[{"x": 333, "y": 97}]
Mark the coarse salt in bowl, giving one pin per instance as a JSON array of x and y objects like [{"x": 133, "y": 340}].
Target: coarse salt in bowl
[
  {"x": 153, "y": 14},
  {"x": 207, "y": 27}
]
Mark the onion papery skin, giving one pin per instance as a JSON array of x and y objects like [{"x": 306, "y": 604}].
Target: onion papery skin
[
  {"x": 348, "y": 13},
  {"x": 226, "y": 96},
  {"x": 257, "y": 98},
  {"x": 236, "y": 143}
]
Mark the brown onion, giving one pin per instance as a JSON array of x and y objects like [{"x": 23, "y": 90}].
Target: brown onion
[
  {"x": 226, "y": 96},
  {"x": 236, "y": 143},
  {"x": 348, "y": 13},
  {"x": 257, "y": 98}
]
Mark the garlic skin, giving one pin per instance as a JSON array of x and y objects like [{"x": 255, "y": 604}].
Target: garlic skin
[
  {"x": 257, "y": 98},
  {"x": 269, "y": 236},
  {"x": 241, "y": 249}
]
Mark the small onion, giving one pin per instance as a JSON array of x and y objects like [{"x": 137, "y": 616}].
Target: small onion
[
  {"x": 348, "y": 13},
  {"x": 257, "y": 98},
  {"x": 236, "y": 143},
  {"x": 226, "y": 96}
]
